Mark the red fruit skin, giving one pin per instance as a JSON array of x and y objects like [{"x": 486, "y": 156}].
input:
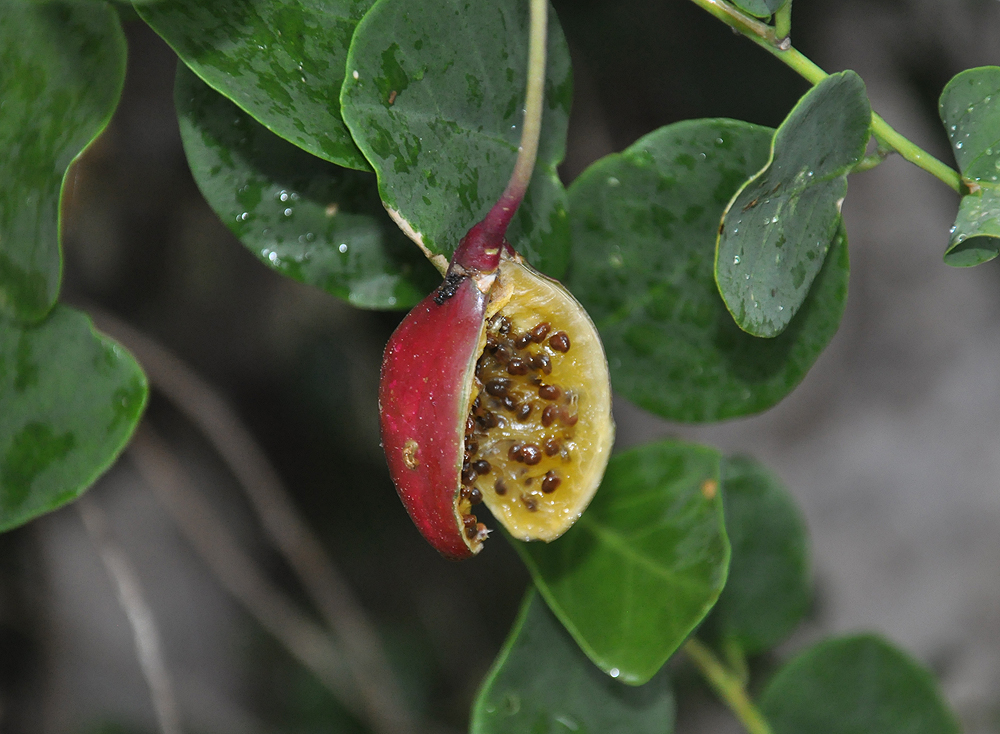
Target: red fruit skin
[{"x": 424, "y": 398}]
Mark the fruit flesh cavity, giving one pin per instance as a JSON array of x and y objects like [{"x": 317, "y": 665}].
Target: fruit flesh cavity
[{"x": 540, "y": 431}]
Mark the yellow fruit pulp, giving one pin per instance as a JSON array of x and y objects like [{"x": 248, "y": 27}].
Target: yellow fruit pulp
[{"x": 540, "y": 431}]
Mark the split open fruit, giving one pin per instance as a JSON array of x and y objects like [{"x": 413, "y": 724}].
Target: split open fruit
[{"x": 495, "y": 389}]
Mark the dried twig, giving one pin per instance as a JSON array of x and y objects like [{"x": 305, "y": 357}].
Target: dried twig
[
  {"x": 237, "y": 573},
  {"x": 140, "y": 616},
  {"x": 287, "y": 530}
]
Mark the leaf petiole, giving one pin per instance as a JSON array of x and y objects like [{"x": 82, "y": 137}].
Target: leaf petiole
[
  {"x": 728, "y": 685},
  {"x": 783, "y": 20},
  {"x": 770, "y": 39}
]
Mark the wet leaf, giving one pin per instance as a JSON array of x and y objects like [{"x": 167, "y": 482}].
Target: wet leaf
[
  {"x": 62, "y": 67},
  {"x": 644, "y": 225},
  {"x": 768, "y": 590},
  {"x": 69, "y": 400},
  {"x": 316, "y": 222},
  {"x": 280, "y": 60},
  {"x": 778, "y": 229},
  {"x": 759, "y": 8},
  {"x": 542, "y": 683},
  {"x": 435, "y": 100},
  {"x": 653, "y": 543},
  {"x": 970, "y": 111},
  {"x": 855, "y": 685}
]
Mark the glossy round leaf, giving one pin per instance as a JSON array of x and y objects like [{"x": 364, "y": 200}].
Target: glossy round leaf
[
  {"x": 69, "y": 400},
  {"x": 62, "y": 67},
  {"x": 768, "y": 591},
  {"x": 644, "y": 564},
  {"x": 644, "y": 225},
  {"x": 778, "y": 229},
  {"x": 970, "y": 111},
  {"x": 280, "y": 60},
  {"x": 435, "y": 100},
  {"x": 316, "y": 222},
  {"x": 855, "y": 685},
  {"x": 542, "y": 683}
]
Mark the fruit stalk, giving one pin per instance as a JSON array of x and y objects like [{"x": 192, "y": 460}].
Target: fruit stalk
[{"x": 480, "y": 248}]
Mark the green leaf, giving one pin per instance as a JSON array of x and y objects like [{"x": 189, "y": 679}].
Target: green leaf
[
  {"x": 855, "y": 685},
  {"x": 644, "y": 564},
  {"x": 311, "y": 220},
  {"x": 435, "y": 100},
  {"x": 970, "y": 111},
  {"x": 768, "y": 591},
  {"x": 69, "y": 400},
  {"x": 542, "y": 683},
  {"x": 778, "y": 229},
  {"x": 644, "y": 224},
  {"x": 280, "y": 60},
  {"x": 759, "y": 8},
  {"x": 62, "y": 68}
]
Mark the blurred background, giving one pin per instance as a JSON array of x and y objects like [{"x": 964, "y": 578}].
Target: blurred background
[{"x": 891, "y": 444}]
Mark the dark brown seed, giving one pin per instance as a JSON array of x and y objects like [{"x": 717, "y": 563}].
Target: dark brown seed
[
  {"x": 509, "y": 403},
  {"x": 468, "y": 475},
  {"x": 498, "y": 386},
  {"x": 568, "y": 418},
  {"x": 504, "y": 326},
  {"x": 524, "y": 411},
  {"x": 530, "y": 454},
  {"x": 503, "y": 354},
  {"x": 517, "y": 366},
  {"x": 549, "y": 415},
  {"x": 475, "y": 496},
  {"x": 559, "y": 341},
  {"x": 491, "y": 342},
  {"x": 488, "y": 420},
  {"x": 463, "y": 493},
  {"x": 522, "y": 341},
  {"x": 541, "y": 362},
  {"x": 470, "y": 425},
  {"x": 529, "y": 503},
  {"x": 529, "y": 481},
  {"x": 469, "y": 521},
  {"x": 475, "y": 404},
  {"x": 514, "y": 452},
  {"x": 471, "y": 447},
  {"x": 552, "y": 447},
  {"x": 482, "y": 466},
  {"x": 550, "y": 482},
  {"x": 500, "y": 487},
  {"x": 549, "y": 392},
  {"x": 539, "y": 333}
]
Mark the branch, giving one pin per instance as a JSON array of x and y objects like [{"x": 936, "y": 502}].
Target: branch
[
  {"x": 140, "y": 616},
  {"x": 764, "y": 36},
  {"x": 283, "y": 524}
]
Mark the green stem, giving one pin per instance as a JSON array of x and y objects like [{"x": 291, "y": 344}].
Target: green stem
[
  {"x": 498, "y": 218},
  {"x": 915, "y": 154},
  {"x": 766, "y": 37},
  {"x": 532, "y": 128},
  {"x": 728, "y": 686},
  {"x": 783, "y": 21}
]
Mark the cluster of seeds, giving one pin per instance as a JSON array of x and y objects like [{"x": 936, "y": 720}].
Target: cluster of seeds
[{"x": 520, "y": 429}]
